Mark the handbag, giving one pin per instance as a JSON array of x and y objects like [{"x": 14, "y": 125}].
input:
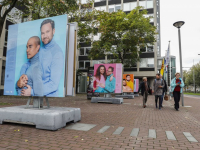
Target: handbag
[{"x": 166, "y": 97}]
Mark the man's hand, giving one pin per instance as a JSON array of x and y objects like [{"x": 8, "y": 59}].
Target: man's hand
[
  {"x": 26, "y": 92},
  {"x": 111, "y": 78},
  {"x": 22, "y": 81},
  {"x": 152, "y": 91}
]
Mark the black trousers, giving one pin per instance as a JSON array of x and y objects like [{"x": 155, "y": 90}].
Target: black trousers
[
  {"x": 177, "y": 96},
  {"x": 160, "y": 100}
]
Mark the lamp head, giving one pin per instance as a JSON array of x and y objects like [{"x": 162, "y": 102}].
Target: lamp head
[{"x": 178, "y": 24}]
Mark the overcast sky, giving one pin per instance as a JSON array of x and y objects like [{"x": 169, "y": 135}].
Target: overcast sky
[{"x": 189, "y": 12}]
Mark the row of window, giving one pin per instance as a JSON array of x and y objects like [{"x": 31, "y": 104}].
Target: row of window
[
  {"x": 84, "y": 51},
  {"x": 144, "y": 63},
  {"x": 126, "y": 6},
  {"x": 86, "y": 64}
]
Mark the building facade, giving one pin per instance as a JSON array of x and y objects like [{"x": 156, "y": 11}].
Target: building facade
[
  {"x": 3, "y": 39},
  {"x": 148, "y": 65}
]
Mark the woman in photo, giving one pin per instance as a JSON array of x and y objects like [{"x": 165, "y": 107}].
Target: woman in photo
[{"x": 100, "y": 79}]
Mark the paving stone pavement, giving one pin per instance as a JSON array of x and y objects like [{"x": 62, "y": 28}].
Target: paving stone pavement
[{"x": 124, "y": 126}]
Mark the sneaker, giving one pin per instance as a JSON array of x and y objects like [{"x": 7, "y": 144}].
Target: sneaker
[{"x": 144, "y": 106}]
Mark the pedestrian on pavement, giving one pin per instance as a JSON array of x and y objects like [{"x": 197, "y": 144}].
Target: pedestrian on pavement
[
  {"x": 158, "y": 90},
  {"x": 144, "y": 87},
  {"x": 164, "y": 89},
  {"x": 177, "y": 85}
]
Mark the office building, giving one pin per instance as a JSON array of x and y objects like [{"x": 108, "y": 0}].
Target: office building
[{"x": 148, "y": 65}]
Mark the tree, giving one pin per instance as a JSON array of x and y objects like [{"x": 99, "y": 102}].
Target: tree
[
  {"x": 84, "y": 17},
  {"x": 9, "y": 5},
  {"x": 37, "y": 8},
  {"x": 194, "y": 72},
  {"x": 122, "y": 35}
]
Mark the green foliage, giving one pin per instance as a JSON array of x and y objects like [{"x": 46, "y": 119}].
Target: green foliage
[
  {"x": 195, "y": 70},
  {"x": 192, "y": 93},
  {"x": 122, "y": 35},
  {"x": 48, "y": 8},
  {"x": 36, "y": 9}
]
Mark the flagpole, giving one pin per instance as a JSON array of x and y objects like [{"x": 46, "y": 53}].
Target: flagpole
[{"x": 170, "y": 68}]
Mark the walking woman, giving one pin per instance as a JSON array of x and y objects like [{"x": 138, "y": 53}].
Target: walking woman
[
  {"x": 177, "y": 85},
  {"x": 144, "y": 87}
]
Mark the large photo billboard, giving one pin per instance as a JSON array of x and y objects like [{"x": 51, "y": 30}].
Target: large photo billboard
[
  {"x": 35, "y": 60},
  {"x": 107, "y": 78},
  {"x": 128, "y": 83}
]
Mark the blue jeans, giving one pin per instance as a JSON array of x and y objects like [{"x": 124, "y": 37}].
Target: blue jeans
[
  {"x": 160, "y": 100},
  {"x": 99, "y": 90}
]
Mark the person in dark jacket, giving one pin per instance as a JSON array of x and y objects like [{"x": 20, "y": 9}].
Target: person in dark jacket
[
  {"x": 144, "y": 87},
  {"x": 164, "y": 89}
]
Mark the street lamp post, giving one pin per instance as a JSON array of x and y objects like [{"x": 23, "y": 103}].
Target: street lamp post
[{"x": 178, "y": 25}]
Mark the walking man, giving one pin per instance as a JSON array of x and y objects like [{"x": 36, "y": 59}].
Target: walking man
[
  {"x": 158, "y": 90},
  {"x": 144, "y": 90}
]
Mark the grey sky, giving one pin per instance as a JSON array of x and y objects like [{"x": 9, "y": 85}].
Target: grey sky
[{"x": 189, "y": 12}]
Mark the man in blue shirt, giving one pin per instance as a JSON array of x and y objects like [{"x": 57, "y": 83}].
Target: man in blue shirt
[
  {"x": 33, "y": 70},
  {"x": 52, "y": 61},
  {"x": 110, "y": 81}
]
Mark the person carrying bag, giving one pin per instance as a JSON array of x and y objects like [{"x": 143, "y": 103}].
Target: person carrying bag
[{"x": 177, "y": 85}]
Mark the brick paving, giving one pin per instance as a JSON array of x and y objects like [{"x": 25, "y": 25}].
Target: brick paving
[{"x": 129, "y": 115}]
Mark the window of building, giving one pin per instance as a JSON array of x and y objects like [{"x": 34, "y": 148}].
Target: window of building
[
  {"x": 149, "y": 15},
  {"x": 97, "y": 37},
  {"x": 82, "y": 51},
  {"x": 126, "y": 7},
  {"x": 114, "y": 8},
  {"x": 97, "y": 8},
  {"x": 84, "y": 64},
  {"x": 147, "y": 62},
  {"x": 129, "y": 6},
  {"x": 117, "y": 7},
  {"x": 146, "y": 4},
  {"x": 111, "y": 8},
  {"x": 97, "y": 62},
  {"x": 173, "y": 62},
  {"x": 143, "y": 49},
  {"x": 87, "y": 64},
  {"x": 149, "y": 4},
  {"x": 83, "y": 1},
  {"x": 149, "y": 48},
  {"x": 133, "y": 5},
  {"x": 87, "y": 50},
  {"x": 81, "y": 64},
  {"x": 143, "y": 4},
  {"x": 159, "y": 62},
  {"x": 102, "y": 8}
]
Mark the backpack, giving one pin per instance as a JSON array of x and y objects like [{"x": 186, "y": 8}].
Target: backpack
[{"x": 161, "y": 81}]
